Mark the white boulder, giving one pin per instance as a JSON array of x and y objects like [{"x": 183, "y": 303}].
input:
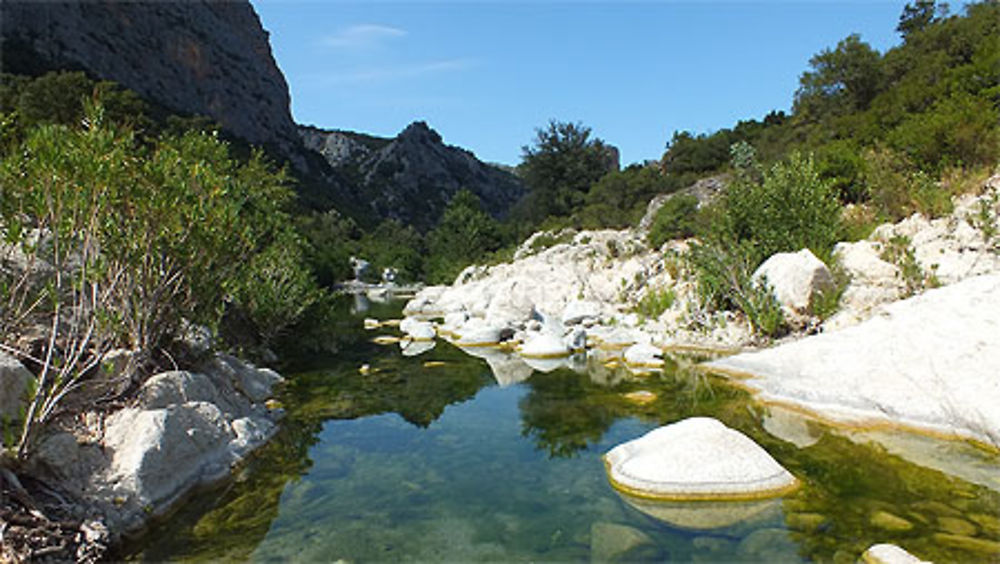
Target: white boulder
[
  {"x": 417, "y": 330},
  {"x": 477, "y": 332},
  {"x": 543, "y": 344},
  {"x": 795, "y": 278},
  {"x": 697, "y": 458},
  {"x": 643, "y": 355}
]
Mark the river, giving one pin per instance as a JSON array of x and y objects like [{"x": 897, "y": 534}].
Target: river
[{"x": 430, "y": 458}]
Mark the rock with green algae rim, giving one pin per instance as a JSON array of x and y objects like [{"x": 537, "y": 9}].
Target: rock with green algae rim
[
  {"x": 889, "y": 554},
  {"x": 696, "y": 459}
]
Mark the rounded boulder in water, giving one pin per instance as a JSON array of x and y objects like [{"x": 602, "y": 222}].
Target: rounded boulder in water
[{"x": 696, "y": 459}]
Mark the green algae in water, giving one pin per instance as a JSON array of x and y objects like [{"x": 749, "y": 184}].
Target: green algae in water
[{"x": 415, "y": 463}]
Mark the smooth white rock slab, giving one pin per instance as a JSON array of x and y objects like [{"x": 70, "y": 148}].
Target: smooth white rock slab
[
  {"x": 697, "y": 458},
  {"x": 929, "y": 362}
]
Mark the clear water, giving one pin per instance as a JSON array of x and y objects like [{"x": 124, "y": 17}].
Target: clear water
[{"x": 439, "y": 463}]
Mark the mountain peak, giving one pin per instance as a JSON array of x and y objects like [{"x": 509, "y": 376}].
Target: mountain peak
[{"x": 421, "y": 132}]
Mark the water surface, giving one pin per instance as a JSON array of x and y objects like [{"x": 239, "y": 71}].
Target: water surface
[{"x": 428, "y": 458}]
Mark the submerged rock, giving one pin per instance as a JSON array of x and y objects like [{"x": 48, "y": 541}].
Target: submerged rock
[
  {"x": 611, "y": 541},
  {"x": 697, "y": 458},
  {"x": 705, "y": 515}
]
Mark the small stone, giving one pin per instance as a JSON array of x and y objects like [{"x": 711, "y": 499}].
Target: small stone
[
  {"x": 807, "y": 522},
  {"x": 641, "y": 397},
  {"x": 371, "y": 324},
  {"x": 385, "y": 340},
  {"x": 611, "y": 541},
  {"x": 889, "y": 522},
  {"x": 956, "y": 526},
  {"x": 434, "y": 364}
]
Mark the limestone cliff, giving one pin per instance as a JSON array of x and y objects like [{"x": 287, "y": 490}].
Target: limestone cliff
[
  {"x": 196, "y": 57},
  {"x": 412, "y": 177}
]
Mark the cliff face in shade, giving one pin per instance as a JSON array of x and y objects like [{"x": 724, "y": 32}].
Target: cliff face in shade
[
  {"x": 198, "y": 57},
  {"x": 412, "y": 177}
]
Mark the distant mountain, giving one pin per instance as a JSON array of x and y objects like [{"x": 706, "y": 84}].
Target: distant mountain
[
  {"x": 212, "y": 58},
  {"x": 412, "y": 177}
]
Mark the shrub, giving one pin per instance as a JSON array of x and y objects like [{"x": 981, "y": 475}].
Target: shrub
[
  {"x": 676, "y": 219},
  {"x": 790, "y": 209},
  {"x": 126, "y": 241},
  {"x": 655, "y": 302},
  {"x": 724, "y": 280}
]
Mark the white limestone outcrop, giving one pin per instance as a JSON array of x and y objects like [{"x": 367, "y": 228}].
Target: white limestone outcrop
[{"x": 697, "y": 458}]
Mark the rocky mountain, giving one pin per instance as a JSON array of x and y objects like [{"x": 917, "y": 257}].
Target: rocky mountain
[
  {"x": 212, "y": 58},
  {"x": 412, "y": 177},
  {"x": 196, "y": 57}
]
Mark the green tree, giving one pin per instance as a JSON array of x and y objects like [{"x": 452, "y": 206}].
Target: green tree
[
  {"x": 464, "y": 234},
  {"x": 842, "y": 80},
  {"x": 919, "y": 15},
  {"x": 394, "y": 245},
  {"x": 559, "y": 169}
]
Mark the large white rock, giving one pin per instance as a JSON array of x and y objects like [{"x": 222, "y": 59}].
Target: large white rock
[
  {"x": 579, "y": 311},
  {"x": 795, "y": 278},
  {"x": 697, "y": 458},
  {"x": 14, "y": 380},
  {"x": 159, "y": 453},
  {"x": 928, "y": 362},
  {"x": 477, "y": 332},
  {"x": 543, "y": 344}
]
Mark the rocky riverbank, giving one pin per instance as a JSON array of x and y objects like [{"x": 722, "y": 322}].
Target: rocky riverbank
[
  {"x": 101, "y": 474},
  {"x": 587, "y": 292}
]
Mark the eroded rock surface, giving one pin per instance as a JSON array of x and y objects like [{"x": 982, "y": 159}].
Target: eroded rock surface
[{"x": 928, "y": 362}]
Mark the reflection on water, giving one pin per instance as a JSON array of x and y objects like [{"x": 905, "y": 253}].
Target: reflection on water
[{"x": 428, "y": 458}]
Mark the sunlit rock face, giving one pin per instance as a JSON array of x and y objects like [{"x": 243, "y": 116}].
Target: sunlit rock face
[
  {"x": 696, "y": 459},
  {"x": 198, "y": 57},
  {"x": 928, "y": 362}
]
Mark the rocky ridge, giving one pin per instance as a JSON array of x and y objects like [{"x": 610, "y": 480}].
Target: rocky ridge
[
  {"x": 412, "y": 177},
  {"x": 199, "y": 57}
]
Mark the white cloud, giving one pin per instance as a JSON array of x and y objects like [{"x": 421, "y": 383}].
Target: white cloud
[
  {"x": 398, "y": 72},
  {"x": 363, "y": 36}
]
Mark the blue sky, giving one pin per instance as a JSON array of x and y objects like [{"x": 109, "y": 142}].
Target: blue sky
[{"x": 486, "y": 74}]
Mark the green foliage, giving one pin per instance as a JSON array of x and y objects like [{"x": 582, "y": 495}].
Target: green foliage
[
  {"x": 332, "y": 240},
  {"x": 464, "y": 234},
  {"x": 792, "y": 208},
  {"x": 393, "y": 245},
  {"x": 548, "y": 239},
  {"x": 619, "y": 198},
  {"x": 843, "y": 80},
  {"x": 723, "y": 274},
  {"x": 702, "y": 153},
  {"x": 655, "y": 302},
  {"x": 559, "y": 169},
  {"x": 899, "y": 252},
  {"x": 825, "y": 303},
  {"x": 125, "y": 241},
  {"x": 918, "y": 15},
  {"x": 676, "y": 219}
]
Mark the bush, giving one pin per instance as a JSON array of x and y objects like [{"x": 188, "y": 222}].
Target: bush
[
  {"x": 676, "y": 219},
  {"x": 790, "y": 209},
  {"x": 724, "y": 279},
  {"x": 125, "y": 242},
  {"x": 655, "y": 302}
]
